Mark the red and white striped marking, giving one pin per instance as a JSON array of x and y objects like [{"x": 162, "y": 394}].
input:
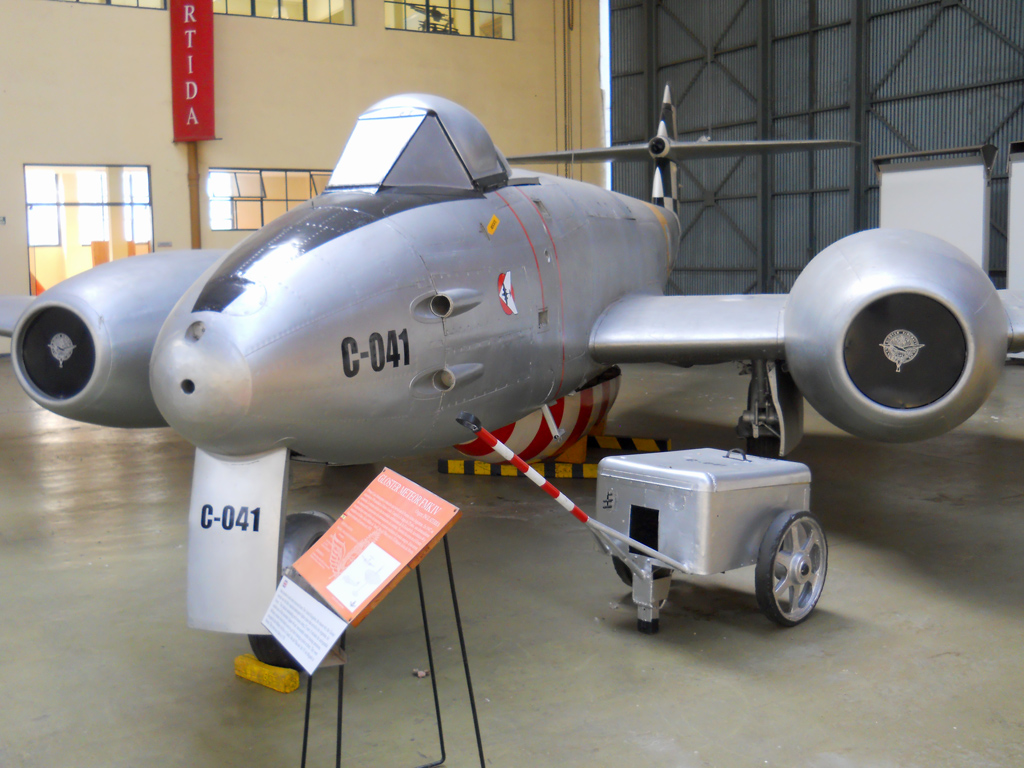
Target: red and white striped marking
[
  {"x": 503, "y": 450},
  {"x": 531, "y": 437},
  {"x": 603, "y": 531}
]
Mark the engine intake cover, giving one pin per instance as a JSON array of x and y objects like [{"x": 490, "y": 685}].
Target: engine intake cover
[
  {"x": 82, "y": 349},
  {"x": 58, "y": 352},
  {"x": 921, "y": 355},
  {"x": 894, "y": 335}
]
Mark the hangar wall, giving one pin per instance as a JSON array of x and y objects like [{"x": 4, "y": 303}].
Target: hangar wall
[
  {"x": 895, "y": 75},
  {"x": 90, "y": 84}
]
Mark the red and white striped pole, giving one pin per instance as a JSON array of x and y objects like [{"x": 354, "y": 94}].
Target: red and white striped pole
[{"x": 472, "y": 423}]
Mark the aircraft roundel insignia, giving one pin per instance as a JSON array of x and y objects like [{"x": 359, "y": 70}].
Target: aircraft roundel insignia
[
  {"x": 507, "y": 294},
  {"x": 61, "y": 347},
  {"x": 901, "y": 347}
]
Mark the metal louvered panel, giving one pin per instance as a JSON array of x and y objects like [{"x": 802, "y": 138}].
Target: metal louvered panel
[
  {"x": 630, "y": 84},
  {"x": 897, "y": 75},
  {"x": 943, "y": 74},
  {"x": 715, "y": 91}
]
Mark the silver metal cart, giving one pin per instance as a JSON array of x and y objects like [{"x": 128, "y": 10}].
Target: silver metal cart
[{"x": 706, "y": 511}]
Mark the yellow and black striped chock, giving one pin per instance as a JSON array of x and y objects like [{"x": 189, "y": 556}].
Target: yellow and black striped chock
[
  {"x": 641, "y": 444},
  {"x": 549, "y": 469}
]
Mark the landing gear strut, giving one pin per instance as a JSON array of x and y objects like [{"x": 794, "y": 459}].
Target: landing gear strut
[
  {"x": 773, "y": 423},
  {"x": 759, "y": 424}
]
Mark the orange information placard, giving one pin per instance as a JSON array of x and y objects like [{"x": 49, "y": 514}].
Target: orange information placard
[{"x": 382, "y": 536}]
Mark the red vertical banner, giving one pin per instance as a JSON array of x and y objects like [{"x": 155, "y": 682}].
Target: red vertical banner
[{"x": 192, "y": 69}]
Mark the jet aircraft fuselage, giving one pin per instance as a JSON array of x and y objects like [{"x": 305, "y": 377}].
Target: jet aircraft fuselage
[{"x": 411, "y": 306}]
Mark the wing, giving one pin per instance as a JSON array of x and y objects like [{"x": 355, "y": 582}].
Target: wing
[
  {"x": 892, "y": 335},
  {"x": 690, "y": 330},
  {"x": 1013, "y": 303},
  {"x": 11, "y": 309}
]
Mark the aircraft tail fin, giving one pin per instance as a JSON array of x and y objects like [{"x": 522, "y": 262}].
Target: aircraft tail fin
[
  {"x": 658, "y": 189},
  {"x": 664, "y": 167},
  {"x": 665, "y": 149}
]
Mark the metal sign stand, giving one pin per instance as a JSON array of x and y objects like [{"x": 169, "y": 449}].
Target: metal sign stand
[{"x": 433, "y": 679}]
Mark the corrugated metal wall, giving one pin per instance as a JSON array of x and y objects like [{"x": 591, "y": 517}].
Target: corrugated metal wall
[{"x": 896, "y": 75}]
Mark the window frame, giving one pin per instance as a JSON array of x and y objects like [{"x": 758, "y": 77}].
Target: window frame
[
  {"x": 312, "y": 174},
  {"x": 119, "y": 4},
  {"x": 305, "y": 14},
  {"x": 64, "y": 209},
  {"x": 472, "y": 19},
  {"x": 55, "y": 206}
]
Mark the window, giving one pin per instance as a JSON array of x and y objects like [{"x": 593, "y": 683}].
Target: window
[
  {"x": 476, "y": 18},
  {"x": 158, "y": 4},
  {"x": 138, "y": 213},
  {"x": 81, "y": 216},
  {"x": 248, "y": 199},
  {"x": 376, "y": 142},
  {"x": 42, "y": 194},
  {"x": 323, "y": 11},
  {"x": 93, "y": 223}
]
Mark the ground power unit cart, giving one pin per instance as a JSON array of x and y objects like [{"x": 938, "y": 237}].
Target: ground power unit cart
[{"x": 707, "y": 511}]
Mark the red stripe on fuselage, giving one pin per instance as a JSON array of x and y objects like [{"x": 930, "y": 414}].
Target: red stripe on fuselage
[
  {"x": 534, "y": 250},
  {"x": 561, "y": 294}
]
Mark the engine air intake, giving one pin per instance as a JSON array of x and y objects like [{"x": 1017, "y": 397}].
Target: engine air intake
[
  {"x": 905, "y": 350},
  {"x": 58, "y": 353}
]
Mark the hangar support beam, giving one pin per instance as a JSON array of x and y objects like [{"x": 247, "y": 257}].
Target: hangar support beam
[{"x": 193, "y": 193}]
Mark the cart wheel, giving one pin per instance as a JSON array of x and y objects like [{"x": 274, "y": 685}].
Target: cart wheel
[
  {"x": 623, "y": 571},
  {"x": 791, "y": 567}
]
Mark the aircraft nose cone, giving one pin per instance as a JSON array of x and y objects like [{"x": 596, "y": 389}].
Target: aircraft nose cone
[{"x": 201, "y": 383}]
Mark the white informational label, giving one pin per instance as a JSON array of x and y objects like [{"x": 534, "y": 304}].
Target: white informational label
[
  {"x": 306, "y": 628},
  {"x": 367, "y": 572},
  {"x": 234, "y": 532}
]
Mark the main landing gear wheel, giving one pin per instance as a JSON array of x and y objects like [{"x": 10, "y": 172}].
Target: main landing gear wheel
[
  {"x": 301, "y": 531},
  {"x": 791, "y": 568},
  {"x": 766, "y": 446}
]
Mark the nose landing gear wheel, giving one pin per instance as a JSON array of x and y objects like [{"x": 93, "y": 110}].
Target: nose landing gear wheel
[
  {"x": 791, "y": 568},
  {"x": 301, "y": 531}
]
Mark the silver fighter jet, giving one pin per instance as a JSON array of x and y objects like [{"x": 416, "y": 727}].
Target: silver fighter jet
[{"x": 431, "y": 278}]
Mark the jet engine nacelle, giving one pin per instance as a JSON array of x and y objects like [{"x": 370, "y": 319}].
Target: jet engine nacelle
[
  {"x": 82, "y": 349},
  {"x": 895, "y": 335}
]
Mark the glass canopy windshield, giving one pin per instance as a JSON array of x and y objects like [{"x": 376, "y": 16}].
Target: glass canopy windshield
[
  {"x": 400, "y": 148},
  {"x": 375, "y": 144}
]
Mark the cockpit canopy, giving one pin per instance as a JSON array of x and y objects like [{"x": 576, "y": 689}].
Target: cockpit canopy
[{"x": 418, "y": 140}]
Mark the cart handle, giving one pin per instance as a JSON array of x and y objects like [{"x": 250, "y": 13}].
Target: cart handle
[{"x": 472, "y": 423}]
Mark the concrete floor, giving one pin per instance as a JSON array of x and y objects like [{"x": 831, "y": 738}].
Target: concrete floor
[{"x": 913, "y": 658}]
